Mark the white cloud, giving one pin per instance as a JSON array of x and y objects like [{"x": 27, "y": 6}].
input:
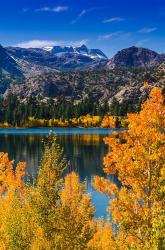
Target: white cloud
[
  {"x": 115, "y": 35},
  {"x": 114, "y": 19},
  {"x": 83, "y": 13},
  {"x": 45, "y": 43},
  {"x": 147, "y": 30},
  {"x": 108, "y": 36},
  {"x": 56, "y": 9}
]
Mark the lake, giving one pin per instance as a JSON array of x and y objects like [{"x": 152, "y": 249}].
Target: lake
[{"x": 84, "y": 148}]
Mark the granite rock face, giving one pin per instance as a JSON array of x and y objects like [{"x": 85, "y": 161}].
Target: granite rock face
[
  {"x": 134, "y": 57},
  {"x": 123, "y": 84}
]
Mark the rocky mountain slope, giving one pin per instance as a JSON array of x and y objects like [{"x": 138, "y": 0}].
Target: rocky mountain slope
[
  {"x": 33, "y": 61},
  {"x": 9, "y": 70},
  {"x": 19, "y": 63},
  {"x": 8, "y": 66},
  {"x": 78, "y": 72},
  {"x": 123, "y": 84},
  {"x": 136, "y": 58}
]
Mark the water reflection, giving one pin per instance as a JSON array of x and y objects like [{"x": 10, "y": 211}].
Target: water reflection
[{"x": 84, "y": 151}]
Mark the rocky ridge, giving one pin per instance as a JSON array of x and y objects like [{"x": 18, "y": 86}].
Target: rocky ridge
[
  {"x": 135, "y": 57},
  {"x": 123, "y": 84}
]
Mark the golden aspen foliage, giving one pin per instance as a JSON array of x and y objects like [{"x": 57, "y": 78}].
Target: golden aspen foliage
[
  {"x": 10, "y": 180},
  {"x": 16, "y": 231},
  {"x": 82, "y": 121},
  {"x": 76, "y": 215},
  {"x": 46, "y": 201},
  {"x": 137, "y": 157},
  {"x": 109, "y": 122},
  {"x": 124, "y": 123},
  {"x": 29, "y": 214},
  {"x": 52, "y": 214},
  {"x": 103, "y": 236}
]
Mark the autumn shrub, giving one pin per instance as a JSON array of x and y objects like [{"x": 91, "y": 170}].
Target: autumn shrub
[
  {"x": 76, "y": 215},
  {"x": 52, "y": 214},
  {"x": 137, "y": 157},
  {"x": 16, "y": 226}
]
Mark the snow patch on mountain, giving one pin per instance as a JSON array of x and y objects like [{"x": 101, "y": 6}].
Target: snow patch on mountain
[
  {"x": 82, "y": 50},
  {"x": 48, "y": 48}
]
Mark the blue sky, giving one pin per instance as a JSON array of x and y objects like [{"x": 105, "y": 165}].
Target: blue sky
[{"x": 105, "y": 24}]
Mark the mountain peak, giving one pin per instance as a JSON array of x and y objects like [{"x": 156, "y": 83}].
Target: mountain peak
[
  {"x": 136, "y": 57},
  {"x": 81, "y": 50},
  {"x": 83, "y": 46}
]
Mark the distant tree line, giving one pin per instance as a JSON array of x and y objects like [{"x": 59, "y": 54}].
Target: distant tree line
[{"x": 17, "y": 113}]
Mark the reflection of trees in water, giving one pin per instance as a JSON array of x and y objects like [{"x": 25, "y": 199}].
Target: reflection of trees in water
[
  {"x": 85, "y": 152},
  {"x": 26, "y": 148}
]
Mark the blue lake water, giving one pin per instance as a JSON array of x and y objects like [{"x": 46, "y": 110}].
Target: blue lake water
[{"x": 84, "y": 148}]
